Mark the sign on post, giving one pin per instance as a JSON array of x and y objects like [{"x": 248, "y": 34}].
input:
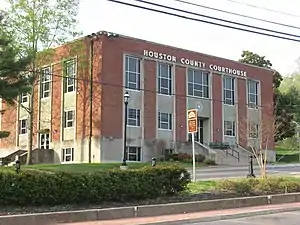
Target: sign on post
[{"x": 192, "y": 122}]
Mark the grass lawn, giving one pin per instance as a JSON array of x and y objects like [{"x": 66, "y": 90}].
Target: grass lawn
[
  {"x": 91, "y": 167},
  {"x": 286, "y": 155},
  {"x": 209, "y": 185}
]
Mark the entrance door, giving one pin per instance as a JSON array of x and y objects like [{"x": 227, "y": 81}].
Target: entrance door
[{"x": 199, "y": 134}]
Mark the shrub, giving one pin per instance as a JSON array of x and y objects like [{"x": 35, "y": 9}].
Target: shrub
[
  {"x": 258, "y": 186},
  {"x": 200, "y": 158},
  {"x": 210, "y": 162},
  {"x": 36, "y": 187}
]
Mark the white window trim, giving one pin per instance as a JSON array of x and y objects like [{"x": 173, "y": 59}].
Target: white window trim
[
  {"x": 169, "y": 121},
  {"x": 252, "y": 105},
  {"x": 193, "y": 83},
  {"x": 137, "y": 74},
  {"x": 44, "y": 82},
  {"x": 169, "y": 78},
  {"x": 137, "y": 118},
  {"x": 233, "y": 128},
  {"x": 252, "y": 124},
  {"x": 45, "y": 143},
  {"x": 232, "y": 90},
  {"x": 71, "y": 120},
  {"x": 22, "y": 97},
  {"x": 65, "y": 155},
  {"x": 136, "y": 153},
  {"x": 70, "y": 76},
  {"x": 23, "y": 128}
]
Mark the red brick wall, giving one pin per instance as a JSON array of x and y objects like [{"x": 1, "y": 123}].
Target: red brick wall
[
  {"x": 242, "y": 125},
  {"x": 150, "y": 115},
  {"x": 217, "y": 107},
  {"x": 181, "y": 116}
]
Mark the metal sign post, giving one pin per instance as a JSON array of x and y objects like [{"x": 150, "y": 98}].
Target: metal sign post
[{"x": 193, "y": 128}]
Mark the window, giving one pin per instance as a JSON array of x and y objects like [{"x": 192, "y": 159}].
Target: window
[
  {"x": 70, "y": 76},
  {"x": 165, "y": 121},
  {"x": 133, "y": 154},
  {"x": 69, "y": 118},
  {"x": 67, "y": 155},
  {"x": 252, "y": 94},
  {"x": 44, "y": 141},
  {"x": 229, "y": 128},
  {"x": 23, "y": 126},
  {"x": 132, "y": 72},
  {"x": 45, "y": 82},
  {"x": 164, "y": 79},
  {"x": 253, "y": 130},
  {"x": 23, "y": 98},
  {"x": 133, "y": 118},
  {"x": 198, "y": 84},
  {"x": 228, "y": 90}
]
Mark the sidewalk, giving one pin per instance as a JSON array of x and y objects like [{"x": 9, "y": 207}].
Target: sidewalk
[{"x": 205, "y": 216}]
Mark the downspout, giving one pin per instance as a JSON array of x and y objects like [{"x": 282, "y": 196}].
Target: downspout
[{"x": 91, "y": 96}]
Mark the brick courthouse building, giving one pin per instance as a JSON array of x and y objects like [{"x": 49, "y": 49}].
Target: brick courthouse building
[{"x": 162, "y": 81}]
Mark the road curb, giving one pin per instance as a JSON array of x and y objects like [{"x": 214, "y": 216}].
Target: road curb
[
  {"x": 146, "y": 210},
  {"x": 229, "y": 217}
]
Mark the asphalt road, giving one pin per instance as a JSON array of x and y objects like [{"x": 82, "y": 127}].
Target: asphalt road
[
  {"x": 237, "y": 172},
  {"x": 290, "y": 218}
]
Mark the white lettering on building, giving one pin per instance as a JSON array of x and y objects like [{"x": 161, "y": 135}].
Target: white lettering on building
[{"x": 193, "y": 63}]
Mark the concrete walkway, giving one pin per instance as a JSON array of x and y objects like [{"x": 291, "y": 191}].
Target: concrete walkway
[{"x": 201, "y": 216}]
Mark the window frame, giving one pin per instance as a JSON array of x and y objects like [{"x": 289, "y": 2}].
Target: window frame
[
  {"x": 252, "y": 105},
  {"x": 168, "y": 79},
  {"x": 136, "y": 118},
  {"x": 21, "y": 127},
  {"x": 254, "y": 134},
  {"x": 66, "y": 120},
  {"x": 169, "y": 122},
  {"x": 23, "y": 97},
  {"x": 229, "y": 101},
  {"x": 46, "y": 143},
  {"x": 45, "y": 82},
  {"x": 70, "y": 79},
  {"x": 65, "y": 155},
  {"x": 232, "y": 128},
  {"x": 129, "y": 72},
  {"x": 137, "y": 154},
  {"x": 204, "y": 76}
]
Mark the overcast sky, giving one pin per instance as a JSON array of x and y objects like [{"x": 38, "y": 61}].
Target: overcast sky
[{"x": 96, "y": 15}]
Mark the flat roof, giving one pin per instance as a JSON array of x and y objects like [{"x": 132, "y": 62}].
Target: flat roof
[{"x": 186, "y": 50}]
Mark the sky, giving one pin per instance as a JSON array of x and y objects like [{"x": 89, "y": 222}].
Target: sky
[{"x": 96, "y": 15}]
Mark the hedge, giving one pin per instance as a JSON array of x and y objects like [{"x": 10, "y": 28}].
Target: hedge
[
  {"x": 31, "y": 188},
  {"x": 250, "y": 186}
]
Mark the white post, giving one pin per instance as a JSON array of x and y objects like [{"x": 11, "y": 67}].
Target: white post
[{"x": 194, "y": 157}]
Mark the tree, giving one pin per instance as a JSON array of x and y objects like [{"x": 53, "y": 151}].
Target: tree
[
  {"x": 38, "y": 26},
  {"x": 283, "y": 114},
  {"x": 12, "y": 81}
]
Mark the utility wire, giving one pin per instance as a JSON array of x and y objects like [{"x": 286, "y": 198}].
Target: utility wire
[
  {"x": 236, "y": 14},
  {"x": 204, "y": 21},
  {"x": 218, "y": 19},
  {"x": 264, "y": 8}
]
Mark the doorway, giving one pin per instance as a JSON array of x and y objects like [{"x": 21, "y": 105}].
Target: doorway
[{"x": 199, "y": 134}]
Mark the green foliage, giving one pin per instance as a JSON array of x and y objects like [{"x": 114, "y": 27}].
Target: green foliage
[
  {"x": 55, "y": 188},
  {"x": 4, "y": 134},
  {"x": 12, "y": 80},
  {"x": 259, "y": 186},
  {"x": 284, "y": 114},
  {"x": 210, "y": 162},
  {"x": 184, "y": 158}
]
